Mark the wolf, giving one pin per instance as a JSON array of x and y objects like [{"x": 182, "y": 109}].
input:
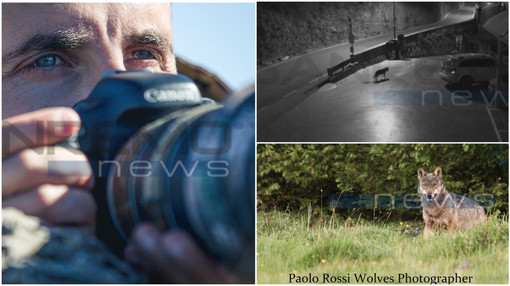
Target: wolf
[
  {"x": 444, "y": 209},
  {"x": 381, "y": 72}
]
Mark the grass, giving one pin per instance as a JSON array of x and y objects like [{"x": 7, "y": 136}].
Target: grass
[{"x": 289, "y": 244}]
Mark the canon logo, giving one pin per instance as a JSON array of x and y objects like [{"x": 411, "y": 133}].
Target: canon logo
[{"x": 154, "y": 95}]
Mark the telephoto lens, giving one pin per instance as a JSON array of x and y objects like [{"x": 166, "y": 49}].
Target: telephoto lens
[
  {"x": 196, "y": 172},
  {"x": 163, "y": 154}
]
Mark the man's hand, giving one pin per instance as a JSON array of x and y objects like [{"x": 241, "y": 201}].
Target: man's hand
[
  {"x": 41, "y": 179},
  {"x": 173, "y": 257}
]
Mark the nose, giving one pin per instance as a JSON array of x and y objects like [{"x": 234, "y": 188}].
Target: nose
[
  {"x": 104, "y": 60},
  {"x": 429, "y": 197},
  {"x": 108, "y": 56},
  {"x": 112, "y": 62}
]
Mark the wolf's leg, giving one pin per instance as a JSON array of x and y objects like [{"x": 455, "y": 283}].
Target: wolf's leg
[
  {"x": 451, "y": 226},
  {"x": 427, "y": 229},
  {"x": 452, "y": 220}
]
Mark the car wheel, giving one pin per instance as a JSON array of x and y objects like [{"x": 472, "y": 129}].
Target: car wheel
[{"x": 466, "y": 82}]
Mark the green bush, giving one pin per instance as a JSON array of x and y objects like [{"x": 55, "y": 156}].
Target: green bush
[{"x": 290, "y": 177}]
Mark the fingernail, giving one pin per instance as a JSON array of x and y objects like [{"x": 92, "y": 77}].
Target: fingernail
[
  {"x": 173, "y": 244},
  {"x": 90, "y": 183},
  {"x": 69, "y": 169},
  {"x": 146, "y": 237},
  {"x": 66, "y": 123}
]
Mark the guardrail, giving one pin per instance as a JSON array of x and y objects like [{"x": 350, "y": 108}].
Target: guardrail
[
  {"x": 347, "y": 64},
  {"x": 366, "y": 58},
  {"x": 413, "y": 45}
]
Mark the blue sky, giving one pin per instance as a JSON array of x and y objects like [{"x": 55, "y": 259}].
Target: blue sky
[{"x": 219, "y": 37}]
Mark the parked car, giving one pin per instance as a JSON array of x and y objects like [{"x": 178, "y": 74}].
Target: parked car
[{"x": 466, "y": 69}]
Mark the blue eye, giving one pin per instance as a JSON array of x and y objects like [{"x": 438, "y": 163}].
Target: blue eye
[
  {"x": 142, "y": 55},
  {"x": 47, "y": 61}
]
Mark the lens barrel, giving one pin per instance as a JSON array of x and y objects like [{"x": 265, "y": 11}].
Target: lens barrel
[{"x": 193, "y": 170}]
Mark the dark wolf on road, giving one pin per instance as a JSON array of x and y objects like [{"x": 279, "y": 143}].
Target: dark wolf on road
[
  {"x": 444, "y": 209},
  {"x": 381, "y": 72}
]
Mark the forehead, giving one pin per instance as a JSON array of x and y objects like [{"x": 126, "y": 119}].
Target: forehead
[
  {"x": 430, "y": 178},
  {"x": 20, "y": 21}
]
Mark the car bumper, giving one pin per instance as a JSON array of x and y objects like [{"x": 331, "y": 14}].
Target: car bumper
[{"x": 447, "y": 77}]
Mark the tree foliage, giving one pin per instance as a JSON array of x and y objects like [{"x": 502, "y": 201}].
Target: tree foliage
[
  {"x": 292, "y": 176},
  {"x": 290, "y": 28}
]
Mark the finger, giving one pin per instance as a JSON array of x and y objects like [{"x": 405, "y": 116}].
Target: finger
[
  {"x": 59, "y": 205},
  {"x": 176, "y": 257},
  {"x": 188, "y": 258},
  {"x": 134, "y": 256},
  {"x": 32, "y": 167},
  {"x": 144, "y": 252},
  {"x": 42, "y": 127}
]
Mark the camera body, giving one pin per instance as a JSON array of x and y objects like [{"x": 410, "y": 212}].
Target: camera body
[
  {"x": 123, "y": 101},
  {"x": 162, "y": 153}
]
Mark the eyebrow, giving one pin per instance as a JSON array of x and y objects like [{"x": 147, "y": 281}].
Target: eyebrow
[
  {"x": 73, "y": 39},
  {"x": 151, "y": 37},
  {"x": 59, "y": 40}
]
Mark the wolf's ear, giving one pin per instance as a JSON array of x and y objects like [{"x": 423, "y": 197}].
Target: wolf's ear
[
  {"x": 438, "y": 172},
  {"x": 421, "y": 173}
]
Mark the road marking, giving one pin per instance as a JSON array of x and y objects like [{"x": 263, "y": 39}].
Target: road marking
[
  {"x": 493, "y": 124},
  {"x": 285, "y": 96},
  {"x": 260, "y": 109},
  {"x": 315, "y": 80}
]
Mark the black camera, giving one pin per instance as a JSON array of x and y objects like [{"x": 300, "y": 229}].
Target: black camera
[{"x": 162, "y": 153}]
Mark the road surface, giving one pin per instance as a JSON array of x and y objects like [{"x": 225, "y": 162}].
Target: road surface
[
  {"x": 282, "y": 86},
  {"x": 413, "y": 105}
]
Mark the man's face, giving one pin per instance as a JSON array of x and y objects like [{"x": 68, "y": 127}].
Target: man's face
[{"x": 54, "y": 54}]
